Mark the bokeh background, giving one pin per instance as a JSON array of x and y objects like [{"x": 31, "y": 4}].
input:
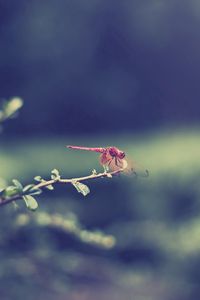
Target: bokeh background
[{"x": 100, "y": 73}]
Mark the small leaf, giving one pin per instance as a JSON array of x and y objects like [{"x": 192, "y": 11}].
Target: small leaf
[
  {"x": 81, "y": 188},
  {"x": 28, "y": 187},
  {"x": 31, "y": 189},
  {"x": 38, "y": 178},
  {"x": 55, "y": 174},
  {"x": 18, "y": 185},
  {"x": 31, "y": 202},
  {"x": 10, "y": 191},
  {"x": 49, "y": 187},
  {"x": 35, "y": 191}
]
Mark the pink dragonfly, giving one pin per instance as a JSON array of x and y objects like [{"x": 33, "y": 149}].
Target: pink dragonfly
[{"x": 113, "y": 159}]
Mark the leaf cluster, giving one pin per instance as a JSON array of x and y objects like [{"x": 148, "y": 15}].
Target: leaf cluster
[{"x": 27, "y": 193}]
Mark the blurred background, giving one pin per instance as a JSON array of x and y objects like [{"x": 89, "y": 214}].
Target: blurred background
[{"x": 99, "y": 73}]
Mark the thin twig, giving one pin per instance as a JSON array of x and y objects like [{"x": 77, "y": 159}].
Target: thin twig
[{"x": 44, "y": 184}]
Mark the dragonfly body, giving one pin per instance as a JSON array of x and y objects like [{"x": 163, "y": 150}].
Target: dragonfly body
[
  {"x": 97, "y": 149},
  {"x": 113, "y": 151},
  {"x": 112, "y": 158}
]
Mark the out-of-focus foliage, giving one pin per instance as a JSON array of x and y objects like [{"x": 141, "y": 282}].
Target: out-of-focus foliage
[
  {"x": 140, "y": 235},
  {"x": 68, "y": 224},
  {"x": 10, "y": 108}
]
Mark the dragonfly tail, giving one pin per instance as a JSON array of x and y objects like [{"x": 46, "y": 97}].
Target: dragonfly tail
[{"x": 100, "y": 150}]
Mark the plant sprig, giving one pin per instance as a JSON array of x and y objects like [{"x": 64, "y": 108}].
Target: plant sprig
[
  {"x": 68, "y": 223},
  {"x": 27, "y": 193}
]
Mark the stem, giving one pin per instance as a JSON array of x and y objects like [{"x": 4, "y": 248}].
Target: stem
[{"x": 42, "y": 185}]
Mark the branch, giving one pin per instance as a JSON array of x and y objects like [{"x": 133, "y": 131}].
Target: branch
[{"x": 55, "y": 179}]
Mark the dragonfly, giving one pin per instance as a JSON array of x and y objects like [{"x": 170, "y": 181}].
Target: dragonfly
[{"x": 113, "y": 159}]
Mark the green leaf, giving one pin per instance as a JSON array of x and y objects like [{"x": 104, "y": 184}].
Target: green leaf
[
  {"x": 38, "y": 178},
  {"x": 49, "y": 187},
  {"x": 10, "y": 191},
  {"x": 28, "y": 187},
  {"x": 35, "y": 191},
  {"x": 55, "y": 174},
  {"x": 18, "y": 185},
  {"x": 31, "y": 202},
  {"x": 81, "y": 188}
]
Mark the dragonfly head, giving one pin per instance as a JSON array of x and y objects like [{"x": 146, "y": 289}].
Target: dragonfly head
[
  {"x": 121, "y": 154},
  {"x": 115, "y": 152}
]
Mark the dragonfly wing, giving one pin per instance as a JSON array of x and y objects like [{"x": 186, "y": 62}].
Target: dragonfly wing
[
  {"x": 105, "y": 158},
  {"x": 116, "y": 164},
  {"x": 136, "y": 169}
]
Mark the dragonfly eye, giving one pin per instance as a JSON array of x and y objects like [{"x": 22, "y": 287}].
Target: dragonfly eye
[
  {"x": 112, "y": 152},
  {"x": 122, "y": 155}
]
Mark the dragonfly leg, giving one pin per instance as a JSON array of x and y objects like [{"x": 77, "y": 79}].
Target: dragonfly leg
[
  {"x": 110, "y": 162},
  {"x": 106, "y": 168},
  {"x": 116, "y": 162}
]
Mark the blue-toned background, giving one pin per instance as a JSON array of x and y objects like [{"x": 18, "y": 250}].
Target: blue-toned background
[{"x": 99, "y": 66}]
